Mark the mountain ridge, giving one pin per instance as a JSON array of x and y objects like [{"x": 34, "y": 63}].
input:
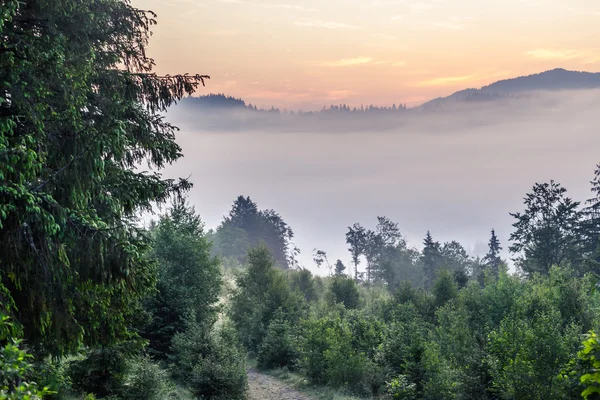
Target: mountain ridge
[{"x": 551, "y": 80}]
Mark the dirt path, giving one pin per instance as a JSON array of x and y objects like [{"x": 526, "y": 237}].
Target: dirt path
[{"x": 264, "y": 387}]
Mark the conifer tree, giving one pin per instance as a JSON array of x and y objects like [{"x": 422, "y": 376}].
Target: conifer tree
[
  {"x": 492, "y": 258},
  {"x": 80, "y": 109},
  {"x": 339, "y": 268},
  {"x": 547, "y": 232},
  {"x": 431, "y": 258}
]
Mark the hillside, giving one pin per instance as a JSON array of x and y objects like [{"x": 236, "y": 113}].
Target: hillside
[{"x": 556, "y": 79}]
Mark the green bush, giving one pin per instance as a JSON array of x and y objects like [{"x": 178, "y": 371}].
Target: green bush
[
  {"x": 15, "y": 370},
  {"x": 212, "y": 365},
  {"x": 303, "y": 282},
  {"x": 145, "y": 381},
  {"x": 344, "y": 290},
  {"x": 400, "y": 388},
  {"x": 279, "y": 348},
  {"x": 102, "y": 372},
  {"x": 336, "y": 349},
  {"x": 260, "y": 292}
]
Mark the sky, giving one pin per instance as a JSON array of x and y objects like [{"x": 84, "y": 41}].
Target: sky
[{"x": 305, "y": 54}]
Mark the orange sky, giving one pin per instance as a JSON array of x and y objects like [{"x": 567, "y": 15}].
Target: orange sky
[{"x": 308, "y": 53}]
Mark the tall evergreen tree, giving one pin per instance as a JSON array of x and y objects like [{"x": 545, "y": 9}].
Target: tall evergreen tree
[
  {"x": 590, "y": 226},
  {"x": 80, "y": 109},
  {"x": 189, "y": 279},
  {"x": 492, "y": 258},
  {"x": 431, "y": 259}
]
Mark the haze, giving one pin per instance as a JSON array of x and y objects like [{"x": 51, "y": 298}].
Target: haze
[{"x": 457, "y": 173}]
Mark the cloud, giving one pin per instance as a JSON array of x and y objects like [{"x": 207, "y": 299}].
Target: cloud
[
  {"x": 347, "y": 62},
  {"x": 287, "y": 7},
  {"x": 324, "y": 24},
  {"x": 590, "y": 56},
  {"x": 447, "y": 81},
  {"x": 399, "y": 64},
  {"x": 398, "y": 18},
  {"x": 224, "y": 33},
  {"x": 232, "y": 1}
]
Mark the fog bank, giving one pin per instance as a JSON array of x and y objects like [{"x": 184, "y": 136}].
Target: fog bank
[{"x": 457, "y": 171}]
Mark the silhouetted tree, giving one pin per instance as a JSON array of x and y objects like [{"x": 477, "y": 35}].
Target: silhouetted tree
[
  {"x": 339, "y": 268},
  {"x": 356, "y": 237},
  {"x": 547, "y": 231},
  {"x": 431, "y": 259},
  {"x": 320, "y": 257},
  {"x": 492, "y": 258},
  {"x": 247, "y": 225}
]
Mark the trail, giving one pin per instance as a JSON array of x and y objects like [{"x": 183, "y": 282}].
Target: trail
[{"x": 265, "y": 387}]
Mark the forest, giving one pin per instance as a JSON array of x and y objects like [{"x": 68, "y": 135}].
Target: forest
[{"x": 95, "y": 304}]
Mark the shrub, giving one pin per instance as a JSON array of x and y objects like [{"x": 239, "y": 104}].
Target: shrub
[
  {"x": 212, "y": 365},
  {"x": 303, "y": 282},
  {"x": 102, "y": 372},
  {"x": 334, "y": 351},
  {"x": 145, "y": 381},
  {"x": 15, "y": 371},
  {"x": 400, "y": 388},
  {"x": 279, "y": 348},
  {"x": 344, "y": 290},
  {"x": 260, "y": 292}
]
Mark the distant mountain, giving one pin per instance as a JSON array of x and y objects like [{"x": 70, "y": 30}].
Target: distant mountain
[
  {"x": 553, "y": 80},
  {"x": 215, "y": 101},
  {"x": 556, "y": 79}
]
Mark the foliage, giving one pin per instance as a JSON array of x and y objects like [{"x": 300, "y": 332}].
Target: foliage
[
  {"x": 344, "y": 290},
  {"x": 400, "y": 388},
  {"x": 356, "y": 238},
  {"x": 403, "y": 344},
  {"x": 431, "y": 259},
  {"x": 492, "y": 258},
  {"x": 102, "y": 372},
  {"x": 444, "y": 288},
  {"x": 145, "y": 380},
  {"x": 590, "y": 357},
  {"x": 339, "y": 267},
  {"x": 80, "y": 110},
  {"x": 547, "y": 231},
  {"x": 188, "y": 279},
  {"x": 280, "y": 345},
  {"x": 16, "y": 370},
  {"x": 219, "y": 373},
  {"x": 247, "y": 227},
  {"x": 261, "y": 291},
  {"x": 302, "y": 281}
]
